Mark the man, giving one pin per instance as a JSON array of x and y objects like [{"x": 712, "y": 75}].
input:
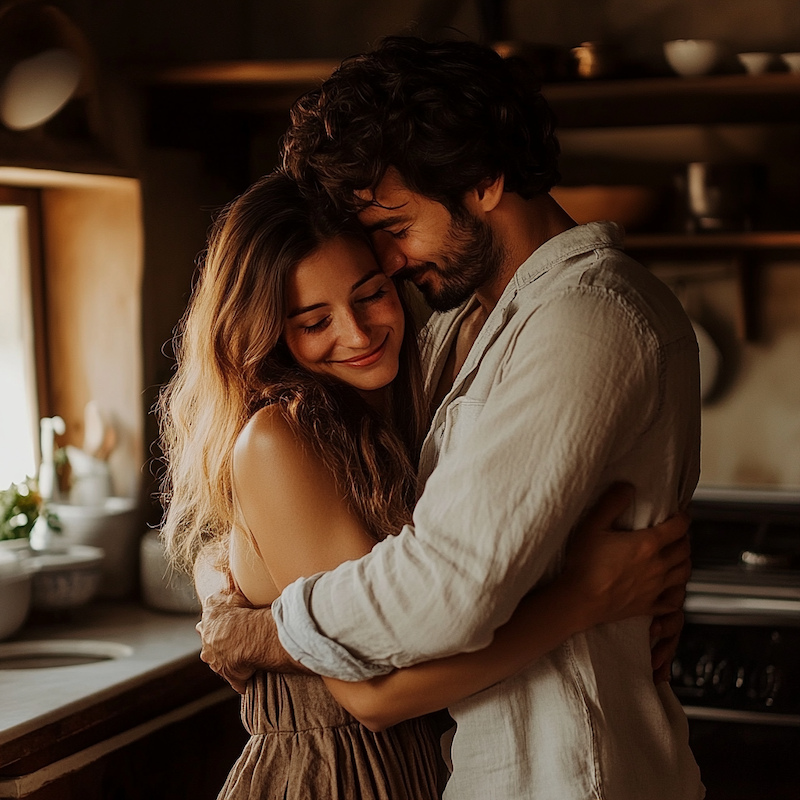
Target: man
[{"x": 556, "y": 366}]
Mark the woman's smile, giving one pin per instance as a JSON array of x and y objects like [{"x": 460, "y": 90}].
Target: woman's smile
[{"x": 367, "y": 359}]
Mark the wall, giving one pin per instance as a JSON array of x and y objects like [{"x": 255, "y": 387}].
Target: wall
[
  {"x": 751, "y": 428},
  {"x": 93, "y": 272},
  {"x": 93, "y": 257},
  {"x": 751, "y": 433}
]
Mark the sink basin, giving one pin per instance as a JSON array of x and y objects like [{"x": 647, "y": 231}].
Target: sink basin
[{"x": 59, "y": 653}]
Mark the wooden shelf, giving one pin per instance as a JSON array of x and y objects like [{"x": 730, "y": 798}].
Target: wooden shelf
[
  {"x": 264, "y": 86},
  {"x": 706, "y": 242},
  {"x": 773, "y": 97},
  {"x": 264, "y": 74},
  {"x": 744, "y": 249},
  {"x": 250, "y": 87}
]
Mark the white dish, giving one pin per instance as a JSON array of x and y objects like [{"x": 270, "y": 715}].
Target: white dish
[
  {"x": 15, "y": 591},
  {"x": 756, "y": 63},
  {"x": 792, "y": 61},
  {"x": 710, "y": 360},
  {"x": 112, "y": 525},
  {"x": 37, "y": 88},
  {"x": 162, "y": 587},
  {"x": 692, "y": 57},
  {"x": 66, "y": 577}
]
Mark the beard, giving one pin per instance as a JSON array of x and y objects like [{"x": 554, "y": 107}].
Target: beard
[{"x": 474, "y": 259}]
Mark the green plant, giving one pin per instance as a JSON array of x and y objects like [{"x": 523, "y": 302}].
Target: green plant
[{"x": 20, "y": 507}]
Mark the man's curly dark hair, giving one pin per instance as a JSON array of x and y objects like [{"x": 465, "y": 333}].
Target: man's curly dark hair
[{"x": 446, "y": 115}]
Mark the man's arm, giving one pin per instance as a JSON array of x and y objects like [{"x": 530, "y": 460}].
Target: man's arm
[
  {"x": 609, "y": 575},
  {"x": 497, "y": 510}
]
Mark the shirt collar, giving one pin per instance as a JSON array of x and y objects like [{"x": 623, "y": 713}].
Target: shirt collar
[{"x": 570, "y": 243}]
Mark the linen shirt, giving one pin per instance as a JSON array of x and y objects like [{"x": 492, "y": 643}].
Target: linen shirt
[{"x": 585, "y": 373}]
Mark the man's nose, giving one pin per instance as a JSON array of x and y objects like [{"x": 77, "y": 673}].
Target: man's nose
[{"x": 390, "y": 256}]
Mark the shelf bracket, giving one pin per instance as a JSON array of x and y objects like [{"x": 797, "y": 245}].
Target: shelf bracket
[{"x": 749, "y": 290}]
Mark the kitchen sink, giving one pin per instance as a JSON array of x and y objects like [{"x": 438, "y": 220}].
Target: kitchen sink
[{"x": 52, "y": 653}]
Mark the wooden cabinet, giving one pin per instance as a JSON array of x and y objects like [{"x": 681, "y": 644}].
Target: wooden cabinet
[
  {"x": 173, "y": 737},
  {"x": 186, "y": 760}
]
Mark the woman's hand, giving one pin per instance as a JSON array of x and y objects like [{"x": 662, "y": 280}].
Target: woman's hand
[{"x": 625, "y": 574}]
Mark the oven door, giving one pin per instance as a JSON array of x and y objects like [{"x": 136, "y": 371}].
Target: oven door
[{"x": 737, "y": 674}]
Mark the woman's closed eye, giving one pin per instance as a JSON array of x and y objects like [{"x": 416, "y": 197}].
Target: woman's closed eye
[
  {"x": 375, "y": 296},
  {"x": 317, "y": 327}
]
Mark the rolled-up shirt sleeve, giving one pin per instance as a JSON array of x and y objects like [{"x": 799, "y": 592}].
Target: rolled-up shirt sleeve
[{"x": 577, "y": 384}]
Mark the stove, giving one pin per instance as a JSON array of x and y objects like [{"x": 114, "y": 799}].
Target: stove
[{"x": 737, "y": 668}]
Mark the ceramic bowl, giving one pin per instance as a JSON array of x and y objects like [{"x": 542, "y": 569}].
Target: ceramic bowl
[
  {"x": 755, "y": 63},
  {"x": 162, "y": 587},
  {"x": 112, "y": 526},
  {"x": 66, "y": 577},
  {"x": 16, "y": 581},
  {"x": 37, "y": 88},
  {"x": 692, "y": 57},
  {"x": 792, "y": 61},
  {"x": 629, "y": 205}
]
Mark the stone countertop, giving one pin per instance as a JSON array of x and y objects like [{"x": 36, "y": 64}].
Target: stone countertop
[{"x": 34, "y": 699}]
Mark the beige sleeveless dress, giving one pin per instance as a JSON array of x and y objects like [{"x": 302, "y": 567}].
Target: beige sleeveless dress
[{"x": 304, "y": 746}]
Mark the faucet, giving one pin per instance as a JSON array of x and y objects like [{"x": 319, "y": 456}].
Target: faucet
[{"x": 42, "y": 533}]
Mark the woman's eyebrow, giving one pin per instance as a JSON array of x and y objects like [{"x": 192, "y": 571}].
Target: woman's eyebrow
[
  {"x": 367, "y": 277},
  {"x": 360, "y": 282},
  {"x": 297, "y": 311}
]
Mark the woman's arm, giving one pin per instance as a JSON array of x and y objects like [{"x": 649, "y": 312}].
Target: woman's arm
[
  {"x": 609, "y": 576},
  {"x": 301, "y": 525}
]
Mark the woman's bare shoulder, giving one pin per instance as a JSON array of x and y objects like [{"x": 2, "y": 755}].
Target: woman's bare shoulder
[
  {"x": 268, "y": 435},
  {"x": 276, "y": 467},
  {"x": 291, "y": 502}
]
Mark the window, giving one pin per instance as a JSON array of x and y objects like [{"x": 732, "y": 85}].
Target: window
[{"x": 20, "y": 373}]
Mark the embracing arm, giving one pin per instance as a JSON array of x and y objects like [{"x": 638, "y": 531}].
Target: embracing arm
[
  {"x": 513, "y": 476},
  {"x": 609, "y": 575}
]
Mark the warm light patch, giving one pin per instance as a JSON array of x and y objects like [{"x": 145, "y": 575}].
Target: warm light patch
[{"x": 17, "y": 367}]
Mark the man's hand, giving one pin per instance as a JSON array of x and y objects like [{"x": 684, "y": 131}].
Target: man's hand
[
  {"x": 239, "y": 639},
  {"x": 664, "y": 635},
  {"x": 625, "y": 574}
]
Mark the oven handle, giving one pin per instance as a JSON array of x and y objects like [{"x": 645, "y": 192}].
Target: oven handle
[
  {"x": 749, "y": 717},
  {"x": 701, "y": 603}
]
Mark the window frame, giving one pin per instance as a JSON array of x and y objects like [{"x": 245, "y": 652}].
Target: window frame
[{"x": 31, "y": 199}]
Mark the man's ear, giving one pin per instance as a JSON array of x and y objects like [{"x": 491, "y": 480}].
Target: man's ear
[{"x": 489, "y": 192}]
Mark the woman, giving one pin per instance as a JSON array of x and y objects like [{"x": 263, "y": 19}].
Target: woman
[{"x": 297, "y": 412}]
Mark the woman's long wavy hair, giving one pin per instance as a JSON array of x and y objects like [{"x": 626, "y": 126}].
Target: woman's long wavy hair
[{"x": 231, "y": 361}]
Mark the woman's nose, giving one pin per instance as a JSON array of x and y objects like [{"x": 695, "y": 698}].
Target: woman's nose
[
  {"x": 354, "y": 333},
  {"x": 390, "y": 256}
]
